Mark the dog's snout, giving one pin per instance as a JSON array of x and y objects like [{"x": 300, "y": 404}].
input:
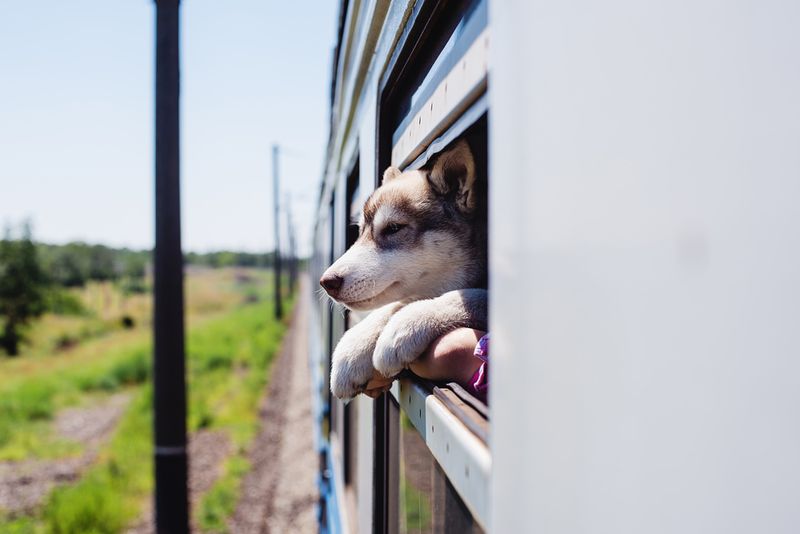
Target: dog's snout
[{"x": 332, "y": 283}]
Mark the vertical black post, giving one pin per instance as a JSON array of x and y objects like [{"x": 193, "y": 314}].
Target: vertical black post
[
  {"x": 171, "y": 463},
  {"x": 276, "y": 200},
  {"x": 292, "y": 252}
]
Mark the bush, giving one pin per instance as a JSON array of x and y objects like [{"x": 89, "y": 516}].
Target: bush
[
  {"x": 132, "y": 370},
  {"x": 201, "y": 416},
  {"x": 134, "y": 286},
  {"x": 85, "y": 508},
  {"x": 210, "y": 362},
  {"x": 63, "y": 302},
  {"x": 29, "y": 401},
  {"x": 65, "y": 341},
  {"x": 5, "y": 431}
]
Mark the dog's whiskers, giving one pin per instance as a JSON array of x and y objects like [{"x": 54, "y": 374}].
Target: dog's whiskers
[{"x": 321, "y": 294}]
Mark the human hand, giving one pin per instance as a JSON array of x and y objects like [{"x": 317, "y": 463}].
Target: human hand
[
  {"x": 378, "y": 385},
  {"x": 450, "y": 357}
]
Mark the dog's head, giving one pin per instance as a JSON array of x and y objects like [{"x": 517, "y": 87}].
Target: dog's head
[{"x": 417, "y": 236}]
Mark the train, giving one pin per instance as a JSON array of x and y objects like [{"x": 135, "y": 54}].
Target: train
[{"x": 641, "y": 161}]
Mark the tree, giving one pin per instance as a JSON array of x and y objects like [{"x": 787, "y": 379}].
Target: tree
[
  {"x": 70, "y": 265},
  {"x": 102, "y": 264},
  {"x": 22, "y": 285}
]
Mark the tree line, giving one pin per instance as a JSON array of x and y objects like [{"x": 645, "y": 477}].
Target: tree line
[
  {"x": 33, "y": 276},
  {"x": 74, "y": 264}
]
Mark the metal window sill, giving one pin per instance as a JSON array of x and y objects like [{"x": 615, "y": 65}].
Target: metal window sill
[{"x": 463, "y": 456}]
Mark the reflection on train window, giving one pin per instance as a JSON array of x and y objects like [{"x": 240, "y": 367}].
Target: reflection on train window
[
  {"x": 353, "y": 205},
  {"x": 428, "y": 502}
]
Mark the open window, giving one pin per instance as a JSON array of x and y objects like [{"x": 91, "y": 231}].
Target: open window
[{"x": 432, "y": 458}]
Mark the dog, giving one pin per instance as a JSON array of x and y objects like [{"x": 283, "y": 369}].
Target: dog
[{"x": 419, "y": 264}]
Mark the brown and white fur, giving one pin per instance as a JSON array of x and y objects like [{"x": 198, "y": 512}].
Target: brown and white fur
[{"x": 419, "y": 263}]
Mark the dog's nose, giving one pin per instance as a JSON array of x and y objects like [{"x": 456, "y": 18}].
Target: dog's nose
[{"x": 331, "y": 283}]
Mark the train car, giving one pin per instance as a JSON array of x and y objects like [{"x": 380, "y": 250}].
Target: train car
[{"x": 641, "y": 162}]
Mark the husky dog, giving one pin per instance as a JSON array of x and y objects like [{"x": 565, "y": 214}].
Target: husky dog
[{"x": 419, "y": 263}]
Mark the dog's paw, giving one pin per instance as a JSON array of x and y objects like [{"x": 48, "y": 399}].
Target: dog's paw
[
  {"x": 351, "y": 367},
  {"x": 404, "y": 338}
]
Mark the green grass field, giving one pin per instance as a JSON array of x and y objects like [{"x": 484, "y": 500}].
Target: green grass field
[{"x": 231, "y": 341}]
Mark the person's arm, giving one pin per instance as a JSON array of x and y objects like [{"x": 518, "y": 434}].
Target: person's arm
[{"x": 449, "y": 358}]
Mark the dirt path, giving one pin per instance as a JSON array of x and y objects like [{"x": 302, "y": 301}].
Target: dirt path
[
  {"x": 25, "y": 484},
  {"x": 207, "y": 450},
  {"x": 279, "y": 494}
]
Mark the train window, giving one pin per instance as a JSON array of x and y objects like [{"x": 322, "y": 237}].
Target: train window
[
  {"x": 433, "y": 94},
  {"x": 429, "y": 460},
  {"x": 436, "y": 89},
  {"x": 353, "y": 204}
]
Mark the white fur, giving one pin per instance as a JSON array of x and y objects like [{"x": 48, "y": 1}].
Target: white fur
[
  {"x": 351, "y": 365},
  {"x": 418, "y": 292},
  {"x": 411, "y": 329},
  {"x": 375, "y": 277}
]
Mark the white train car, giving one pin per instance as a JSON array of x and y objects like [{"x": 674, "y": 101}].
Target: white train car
[{"x": 643, "y": 170}]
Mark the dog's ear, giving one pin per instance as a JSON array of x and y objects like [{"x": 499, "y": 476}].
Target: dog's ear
[
  {"x": 453, "y": 172},
  {"x": 390, "y": 174}
]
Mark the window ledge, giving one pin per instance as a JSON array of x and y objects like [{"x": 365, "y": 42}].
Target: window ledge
[{"x": 463, "y": 456}]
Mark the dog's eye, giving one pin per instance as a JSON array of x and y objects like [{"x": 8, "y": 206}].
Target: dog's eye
[{"x": 392, "y": 228}]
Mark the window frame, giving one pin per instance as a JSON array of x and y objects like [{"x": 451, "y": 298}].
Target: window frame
[{"x": 462, "y": 454}]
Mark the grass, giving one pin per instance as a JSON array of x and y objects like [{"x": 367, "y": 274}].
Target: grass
[
  {"x": 219, "y": 503},
  {"x": 26, "y": 405},
  {"x": 231, "y": 342},
  {"x": 35, "y": 439},
  {"x": 29, "y": 400},
  {"x": 41, "y": 380},
  {"x": 24, "y": 412},
  {"x": 21, "y": 525},
  {"x": 110, "y": 494},
  {"x": 415, "y": 506},
  {"x": 225, "y": 395}
]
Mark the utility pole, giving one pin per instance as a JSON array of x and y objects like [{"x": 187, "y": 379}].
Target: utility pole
[
  {"x": 169, "y": 380},
  {"x": 292, "y": 245},
  {"x": 276, "y": 200}
]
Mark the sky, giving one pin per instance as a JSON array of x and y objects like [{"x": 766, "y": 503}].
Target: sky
[{"x": 76, "y": 118}]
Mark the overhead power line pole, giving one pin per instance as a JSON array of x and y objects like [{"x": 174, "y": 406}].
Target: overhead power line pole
[
  {"x": 171, "y": 462},
  {"x": 276, "y": 200},
  {"x": 292, "y": 249}
]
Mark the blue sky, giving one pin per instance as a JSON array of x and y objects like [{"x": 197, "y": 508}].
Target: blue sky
[{"x": 76, "y": 117}]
